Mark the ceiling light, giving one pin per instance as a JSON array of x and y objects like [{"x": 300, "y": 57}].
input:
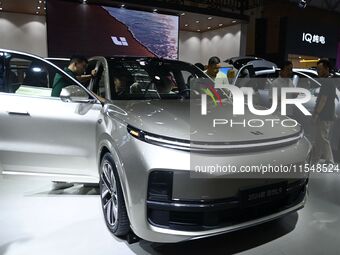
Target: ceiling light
[
  {"x": 40, "y": 2},
  {"x": 234, "y": 21},
  {"x": 210, "y": 17},
  {"x": 44, "y": 8},
  {"x": 183, "y": 13},
  {"x": 122, "y": 5},
  {"x": 220, "y": 25},
  {"x": 198, "y": 30},
  {"x": 0, "y": 8},
  {"x": 309, "y": 60},
  {"x": 209, "y": 27},
  {"x": 186, "y": 25},
  {"x": 36, "y": 12},
  {"x": 38, "y": 7},
  {"x": 155, "y": 10},
  {"x": 197, "y": 21},
  {"x": 36, "y": 69}
]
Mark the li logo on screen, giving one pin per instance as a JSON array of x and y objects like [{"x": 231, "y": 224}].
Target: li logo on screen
[{"x": 121, "y": 41}]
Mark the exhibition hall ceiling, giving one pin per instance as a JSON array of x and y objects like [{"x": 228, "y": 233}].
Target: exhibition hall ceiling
[{"x": 195, "y": 22}]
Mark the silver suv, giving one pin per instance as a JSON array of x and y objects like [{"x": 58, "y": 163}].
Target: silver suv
[{"x": 137, "y": 145}]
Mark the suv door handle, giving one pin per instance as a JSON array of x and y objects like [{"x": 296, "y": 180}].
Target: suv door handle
[{"x": 19, "y": 113}]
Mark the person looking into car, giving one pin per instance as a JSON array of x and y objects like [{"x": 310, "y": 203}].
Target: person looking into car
[
  {"x": 324, "y": 114},
  {"x": 75, "y": 69},
  {"x": 166, "y": 84},
  {"x": 284, "y": 80},
  {"x": 213, "y": 69}
]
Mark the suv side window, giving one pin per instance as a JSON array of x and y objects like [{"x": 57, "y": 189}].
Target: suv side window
[
  {"x": 266, "y": 79},
  {"x": 26, "y": 75},
  {"x": 306, "y": 82}
]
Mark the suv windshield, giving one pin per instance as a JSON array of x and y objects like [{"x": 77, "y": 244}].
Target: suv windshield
[{"x": 138, "y": 79}]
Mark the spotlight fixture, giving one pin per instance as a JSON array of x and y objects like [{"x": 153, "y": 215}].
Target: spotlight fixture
[
  {"x": 183, "y": 13},
  {"x": 198, "y": 30},
  {"x": 197, "y": 21},
  {"x": 302, "y": 3},
  {"x": 209, "y": 27},
  {"x": 155, "y": 10},
  {"x": 186, "y": 25},
  {"x": 234, "y": 21},
  {"x": 122, "y": 6},
  {"x": 38, "y": 7},
  {"x": 210, "y": 18},
  {"x": 220, "y": 25}
]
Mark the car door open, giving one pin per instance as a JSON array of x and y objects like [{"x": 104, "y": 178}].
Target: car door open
[{"x": 44, "y": 135}]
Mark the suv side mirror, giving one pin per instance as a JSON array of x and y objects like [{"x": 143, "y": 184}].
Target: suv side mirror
[{"x": 74, "y": 93}]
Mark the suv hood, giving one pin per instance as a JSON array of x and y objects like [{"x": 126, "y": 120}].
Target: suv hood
[{"x": 175, "y": 119}]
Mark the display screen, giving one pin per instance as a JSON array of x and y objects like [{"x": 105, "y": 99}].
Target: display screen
[
  {"x": 107, "y": 31},
  {"x": 225, "y": 70}
]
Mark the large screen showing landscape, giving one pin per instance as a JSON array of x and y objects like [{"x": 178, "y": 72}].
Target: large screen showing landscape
[{"x": 75, "y": 28}]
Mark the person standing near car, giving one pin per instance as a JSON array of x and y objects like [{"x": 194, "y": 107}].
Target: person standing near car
[
  {"x": 283, "y": 81},
  {"x": 75, "y": 69},
  {"x": 324, "y": 114},
  {"x": 213, "y": 70}
]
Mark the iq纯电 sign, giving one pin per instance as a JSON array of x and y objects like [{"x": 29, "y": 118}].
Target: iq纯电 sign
[{"x": 310, "y": 38}]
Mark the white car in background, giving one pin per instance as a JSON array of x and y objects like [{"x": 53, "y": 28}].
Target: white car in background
[{"x": 257, "y": 63}]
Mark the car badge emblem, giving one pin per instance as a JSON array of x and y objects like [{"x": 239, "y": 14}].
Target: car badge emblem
[{"x": 256, "y": 133}]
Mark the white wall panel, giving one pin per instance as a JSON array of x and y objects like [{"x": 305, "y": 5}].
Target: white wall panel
[
  {"x": 23, "y": 32},
  {"x": 199, "y": 47}
]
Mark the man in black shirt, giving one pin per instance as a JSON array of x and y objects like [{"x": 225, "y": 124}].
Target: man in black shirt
[{"x": 324, "y": 114}]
